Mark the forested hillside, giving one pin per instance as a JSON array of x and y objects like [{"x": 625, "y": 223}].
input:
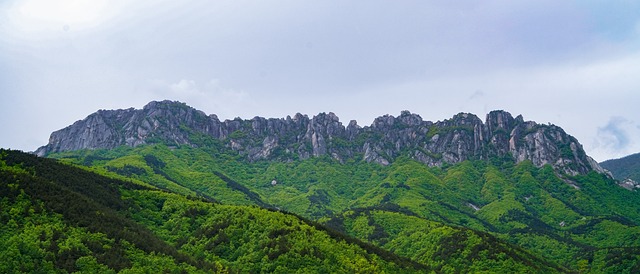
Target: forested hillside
[
  {"x": 57, "y": 217},
  {"x": 624, "y": 168},
  {"x": 329, "y": 137},
  {"x": 167, "y": 188},
  {"x": 468, "y": 216}
]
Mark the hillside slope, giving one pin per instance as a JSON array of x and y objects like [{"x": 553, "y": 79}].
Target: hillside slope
[
  {"x": 582, "y": 222},
  {"x": 56, "y": 217},
  {"x": 459, "y": 195},
  {"x": 624, "y": 168}
]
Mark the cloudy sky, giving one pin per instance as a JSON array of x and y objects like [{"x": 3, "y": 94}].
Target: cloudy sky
[{"x": 575, "y": 64}]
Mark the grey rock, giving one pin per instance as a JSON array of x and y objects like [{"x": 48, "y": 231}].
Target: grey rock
[
  {"x": 629, "y": 184},
  {"x": 463, "y": 137}
]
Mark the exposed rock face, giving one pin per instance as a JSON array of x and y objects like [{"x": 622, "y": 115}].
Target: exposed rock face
[
  {"x": 629, "y": 184},
  {"x": 465, "y": 136}
]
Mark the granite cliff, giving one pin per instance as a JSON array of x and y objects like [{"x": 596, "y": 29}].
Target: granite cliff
[{"x": 464, "y": 136}]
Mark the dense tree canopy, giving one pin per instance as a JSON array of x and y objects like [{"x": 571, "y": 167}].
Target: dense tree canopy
[{"x": 155, "y": 207}]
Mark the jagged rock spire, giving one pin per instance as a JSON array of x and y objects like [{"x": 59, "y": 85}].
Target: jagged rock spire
[{"x": 463, "y": 137}]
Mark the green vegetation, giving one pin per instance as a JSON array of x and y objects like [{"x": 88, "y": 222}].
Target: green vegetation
[
  {"x": 624, "y": 168},
  {"x": 57, "y": 217},
  {"x": 208, "y": 209},
  {"x": 435, "y": 130},
  {"x": 238, "y": 134}
]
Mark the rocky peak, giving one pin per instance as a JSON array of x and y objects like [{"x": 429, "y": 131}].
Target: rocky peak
[
  {"x": 383, "y": 122},
  {"x": 464, "y": 119},
  {"x": 352, "y": 130},
  {"x": 460, "y": 138},
  {"x": 327, "y": 123},
  {"x": 321, "y": 130},
  {"x": 298, "y": 118},
  {"x": 500, "y": 120},
  {"x": 409, "y": 119}
]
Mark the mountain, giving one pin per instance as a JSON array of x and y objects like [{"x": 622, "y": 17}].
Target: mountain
[
  {"x": 447, "y": 218},
  {"x": 625, "y": 169},
  {"x": 463, "y": 137},
  {"x": 59, "y": 218},
  {"x": 454, "y": 196}
]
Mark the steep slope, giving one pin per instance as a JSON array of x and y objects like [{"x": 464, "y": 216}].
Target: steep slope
[
  {"x": 463, "y": 137},
  {"x": 625, "y": 169},
  {"x": 60, "y": 218},
  {"x": 581, "y": 222},
  {"x": 444, "y": 248},
  {"x": 495, "y": 195},
  {"x": 56, "y": 217}
]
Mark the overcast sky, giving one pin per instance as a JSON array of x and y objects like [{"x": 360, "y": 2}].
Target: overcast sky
[{"x": 575, "y": 64}]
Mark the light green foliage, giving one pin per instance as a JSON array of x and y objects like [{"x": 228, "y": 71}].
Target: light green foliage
[
  {"x": 578, "y": 222},
  {"x": 203, "y": 236},
  {"x": 250, "y": 238},
  {"x": 37, "y": 241},
  {"x": 446, "y": 249},
  {"x": 361, "y": 228},
  {"x": 495, "y": 186},
  {"x": 497, "y": 211},
  {"x": 465, "y": 180}
]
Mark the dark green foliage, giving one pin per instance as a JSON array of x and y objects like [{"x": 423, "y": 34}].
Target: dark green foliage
[
  {"x": 489, "y": 215},
  {"x": 154, "y": 162},
  {"x": 127, "y": 170},
  {"x": 68, "y": 179},
  {"x": 144, "y": 230},
  {"x": 236, "y": 186},
  {"x": 446, "y": 249},
  {"x": 84, "y": 199},
  {"x": 238, "y": 134},
  {"x": 91, "y": 158},
  {"x": 624, "y": 168}
]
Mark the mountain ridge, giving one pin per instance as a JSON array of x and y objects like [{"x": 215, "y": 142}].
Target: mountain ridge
[
  {"x": 464, "y": 136},
  {"x": 626, "y": 170}
]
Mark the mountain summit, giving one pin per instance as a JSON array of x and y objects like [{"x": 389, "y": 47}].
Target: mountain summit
[{"x": 463, "y": 137}]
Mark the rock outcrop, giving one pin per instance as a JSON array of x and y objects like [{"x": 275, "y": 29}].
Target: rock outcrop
[{"x": 465, "y": 136}]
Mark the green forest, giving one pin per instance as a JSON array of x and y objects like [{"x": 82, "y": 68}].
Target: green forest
[
  {"x": 624, "y": 168},
  {"x": 159, "y": 208}
]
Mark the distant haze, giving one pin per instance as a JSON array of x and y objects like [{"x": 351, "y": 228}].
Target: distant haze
[{"x": 571, "y": 63}]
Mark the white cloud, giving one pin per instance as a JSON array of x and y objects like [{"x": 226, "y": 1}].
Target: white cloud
[
  {"x": 211, "y": 97},
  {"x": 574, "y": 65},
  {"x": 215, "y": 88},
  {"x": 184, "y": 87},
  {"x": 614, "y": 135},
  {"x": 615, "y": 138},
  {"x": 39, "y": 19}
]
